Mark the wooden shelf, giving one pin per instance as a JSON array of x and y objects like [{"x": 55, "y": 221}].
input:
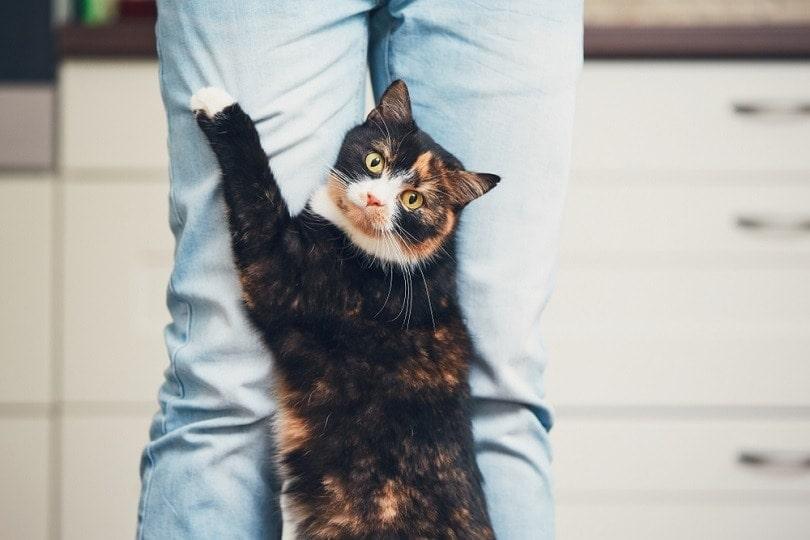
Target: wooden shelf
[
  {"x": 698, "y": 42},
  {"x": 136, "y": 39},
  {"x": 125, "y": 39}
]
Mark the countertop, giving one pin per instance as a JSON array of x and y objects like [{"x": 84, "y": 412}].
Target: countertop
[{"x": 136, "y": 39}]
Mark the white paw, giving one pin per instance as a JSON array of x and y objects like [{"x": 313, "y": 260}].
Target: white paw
[{"x": 210, "y": 101}]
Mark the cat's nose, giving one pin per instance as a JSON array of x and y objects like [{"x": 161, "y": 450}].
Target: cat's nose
[{"x": 371, "y": 200}]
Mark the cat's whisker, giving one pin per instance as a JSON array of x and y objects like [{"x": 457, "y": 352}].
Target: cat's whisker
[
  {"x": 391, "y": 248},
  {"x": 407, "y": 270},
  {"x": 341, "y": 177},
  {"x": 427, "y": 295},
  {"x": 441, "y": 249},
  {"x": 390, "y": 271},
  {"x": 387, "y": 132},
  {"x": 409, "y": 296},
  {"x": 402, "y": 307},
  {"x": 410, "y": 292},
  {"x": 401, "y": 230},
  {"x": 404, "y": 296},
  {"x": 402, "y": 140}
]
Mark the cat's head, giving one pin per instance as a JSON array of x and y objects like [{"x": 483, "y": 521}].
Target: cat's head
[{"x": 394, "y": 191}]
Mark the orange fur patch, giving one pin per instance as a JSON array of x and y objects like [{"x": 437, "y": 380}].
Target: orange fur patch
[
  {"x": 425, "y": 249},
  {"x": 421, "y": 167},
  {"x": 389, "y": 502},
  {"x": 293, "y": 431},
  {"x": 340, "y": 514}
]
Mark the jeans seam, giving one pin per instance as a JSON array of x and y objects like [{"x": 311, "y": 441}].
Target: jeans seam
[
  {"x": 146, "y": 490},
  {"x": 175, "y": 215},
  {"x": 162, "y": 78},
  {"x": 173, "y": 358},
  {"x": 387, "y": 61}
]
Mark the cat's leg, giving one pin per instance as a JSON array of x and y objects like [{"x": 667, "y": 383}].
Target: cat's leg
[
  {"x": 257, "y": 209},
  {"x": 266, "y": 245}
]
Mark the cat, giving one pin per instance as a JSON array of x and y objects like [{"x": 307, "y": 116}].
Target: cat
[{"x": 356, "y": 299}]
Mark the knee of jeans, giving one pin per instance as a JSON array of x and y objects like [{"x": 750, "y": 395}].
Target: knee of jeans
[
  {"x": 216, "y": 387},
  {"x": 512, "y": 429}
]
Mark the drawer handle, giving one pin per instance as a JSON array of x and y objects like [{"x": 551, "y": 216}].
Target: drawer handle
[
  {"x": 761, "y": 108},
  {"x": 775, "y": 459},
  {"x": 774, "y": 223}
]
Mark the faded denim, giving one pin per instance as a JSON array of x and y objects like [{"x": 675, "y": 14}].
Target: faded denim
[{"x": 494, "y": 83}]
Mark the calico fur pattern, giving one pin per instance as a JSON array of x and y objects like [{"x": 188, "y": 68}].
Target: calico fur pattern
[{"x": 371, "y": 356}]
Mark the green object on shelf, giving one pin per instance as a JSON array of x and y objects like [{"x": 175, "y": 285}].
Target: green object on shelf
[{"x": 94, "y": 12}]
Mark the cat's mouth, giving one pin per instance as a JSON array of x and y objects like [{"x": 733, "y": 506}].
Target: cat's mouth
[
  {"x": 371, "y": 220},
  {"x": 372, "y": 227}
]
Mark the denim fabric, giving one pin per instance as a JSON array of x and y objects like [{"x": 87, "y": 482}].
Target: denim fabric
[{"x": 494, "y": 83}]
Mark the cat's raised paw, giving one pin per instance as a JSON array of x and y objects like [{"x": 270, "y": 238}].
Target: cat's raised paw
[{"x": 210, "y": 101}]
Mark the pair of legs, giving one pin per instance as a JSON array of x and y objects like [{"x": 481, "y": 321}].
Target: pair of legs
[{"x": 491, "y": 81}]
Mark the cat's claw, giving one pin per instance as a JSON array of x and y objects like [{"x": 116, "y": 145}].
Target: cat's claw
[{"x": 210, "y": 101}]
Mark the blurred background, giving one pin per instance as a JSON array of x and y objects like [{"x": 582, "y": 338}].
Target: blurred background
[{"x": 679, "y": 333}]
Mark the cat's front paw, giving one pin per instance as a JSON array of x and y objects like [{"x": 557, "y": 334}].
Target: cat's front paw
[{"x": 210, "y": 101}]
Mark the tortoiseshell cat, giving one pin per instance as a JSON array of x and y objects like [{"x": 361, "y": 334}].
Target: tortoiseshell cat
[{"x": 356, "y": 299}]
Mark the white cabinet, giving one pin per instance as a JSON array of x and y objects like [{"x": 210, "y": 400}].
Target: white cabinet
[
  {"x": 118, "y": 253},
  {"x": 683, "y": 289},
  {"x": 682, "y": 116},
  {"x": 716, "y": 216},
  {"x": 25, "y": 288},
  {"x": 690, "y": 520},
  {"x": 100, "y": 457},
  {"x": 111, "y": 115},
  {"x": 679, "y": 333},
  {"x": 682, "y": 457},
  {"x": 25, "y": 472}
]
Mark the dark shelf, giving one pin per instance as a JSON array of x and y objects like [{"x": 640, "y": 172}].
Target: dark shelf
[
  {"x": 130, "y": 39},
  {"x": 136, "y": 38},
  {"x": 698, "y": 42}
]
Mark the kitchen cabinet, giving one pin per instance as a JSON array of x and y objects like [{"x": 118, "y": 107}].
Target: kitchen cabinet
[{"x": 679, "y": 333}]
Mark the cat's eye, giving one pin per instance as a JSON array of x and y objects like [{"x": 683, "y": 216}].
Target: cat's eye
[
  {"x": 374, "y": 162},
  {"x": 411, "y": 199}
]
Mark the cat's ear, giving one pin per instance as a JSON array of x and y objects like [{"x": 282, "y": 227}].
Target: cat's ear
[
  {"x": 394, "y": 106},
  {"x": 471, "y": 185}
]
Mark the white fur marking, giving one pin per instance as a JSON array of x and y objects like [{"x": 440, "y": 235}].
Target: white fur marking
[
  {"x": 323, "y": 205},
  {"x": 210, "y": 101},
  {"x": 289, "y": 524},
  {"x": 385, "y": 188}
]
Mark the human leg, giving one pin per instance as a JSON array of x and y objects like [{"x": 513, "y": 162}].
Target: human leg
[
  {"x": 494, "y": 83},
  {"x": 298, "y": 69}
]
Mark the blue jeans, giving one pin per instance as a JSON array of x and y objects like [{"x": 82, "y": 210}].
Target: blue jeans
[{"x": 491, "y": 81}]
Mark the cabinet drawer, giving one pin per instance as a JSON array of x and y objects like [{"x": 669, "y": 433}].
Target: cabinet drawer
[
  {"x": 24, "y": 469},
  {"x": 618, "y": 457},
  {"x": 118, "y": 253},
  {"x": 609, "y": 520},
  {"x": 100, "y": 456},
  {"x": 671, "y": 216},
  {"x": 111, "y": 115},
  {"x": 693, "y": 115},
  {"x": 25, "y": 288},
  {"x": 676, "y": 334}
]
